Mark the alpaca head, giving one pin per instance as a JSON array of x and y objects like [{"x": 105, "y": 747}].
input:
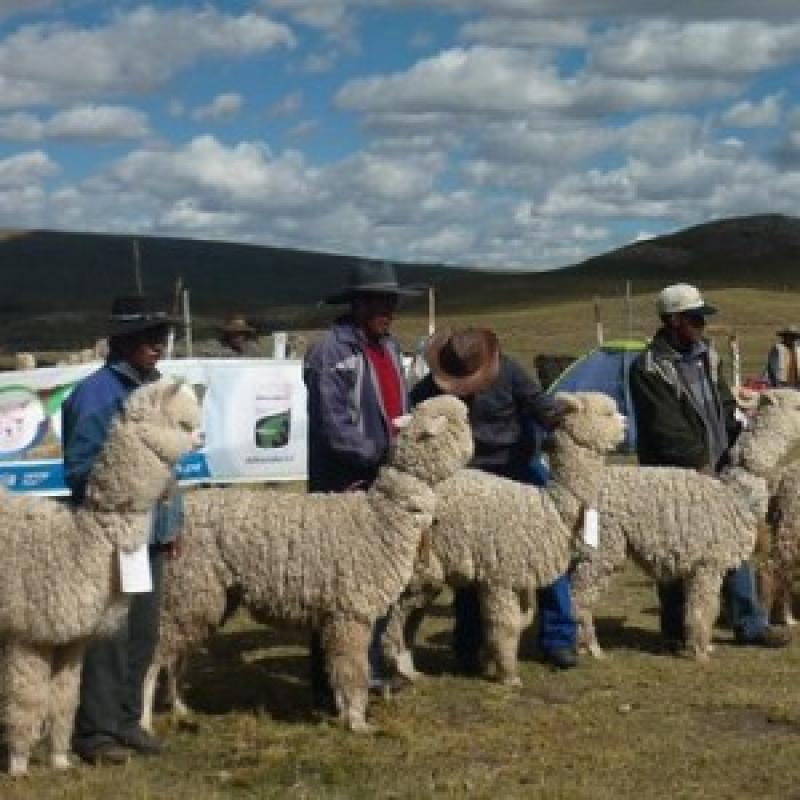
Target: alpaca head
[
  {"x": 591, "y": 420},
  {"x": 157, "y": 425},
  {"x": 434, "y": 441},
  {"x": 772, "y": 438}
]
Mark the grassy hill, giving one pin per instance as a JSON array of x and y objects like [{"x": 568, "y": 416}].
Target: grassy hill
[{"x": 57, "y": 286}]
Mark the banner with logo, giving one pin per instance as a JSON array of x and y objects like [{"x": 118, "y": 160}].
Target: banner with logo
[{"x": 254, "y": 418}]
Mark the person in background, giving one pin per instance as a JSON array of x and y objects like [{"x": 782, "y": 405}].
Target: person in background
[
  {"x": 356, "y": 389},
  {"x": 783, "y": 361},
  {"x": 504, "y": 406},
  {"x": 238, "y": 338},
  {"x": 107, "y": 721},
  {"x": 685, "y": 417}
]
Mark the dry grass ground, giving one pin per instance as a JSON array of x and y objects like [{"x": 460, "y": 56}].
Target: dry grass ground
[{"x": 639, "y": 724}]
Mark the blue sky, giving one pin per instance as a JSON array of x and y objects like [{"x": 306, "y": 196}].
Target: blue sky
[{"x": 503, "y": 134}]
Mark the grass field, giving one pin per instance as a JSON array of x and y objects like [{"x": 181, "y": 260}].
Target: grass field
[{"x": 639, "y": 724}]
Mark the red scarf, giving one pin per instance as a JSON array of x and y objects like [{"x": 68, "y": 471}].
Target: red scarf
[{"x": 390, "y": 386}]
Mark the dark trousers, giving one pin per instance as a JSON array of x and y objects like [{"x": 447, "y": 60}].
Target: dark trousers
[
  {"x": 114, "y": 670},
  {"x": 556, "y": 623}
]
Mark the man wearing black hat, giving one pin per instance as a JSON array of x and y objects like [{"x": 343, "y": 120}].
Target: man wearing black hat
[
  {"x": 356, "y": 389},
  {"x": 783, "y": 361},
  {"x": 107, "y": 723},
  {"x": 504, "y": 404}
]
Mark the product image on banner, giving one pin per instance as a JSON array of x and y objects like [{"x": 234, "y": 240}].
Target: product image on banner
[{"x": 273, "y": 416}]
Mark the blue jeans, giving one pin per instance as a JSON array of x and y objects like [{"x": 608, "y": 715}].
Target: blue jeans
[
  {"x": 747, "y": 617},
  {"x": 557, "y": 628}
]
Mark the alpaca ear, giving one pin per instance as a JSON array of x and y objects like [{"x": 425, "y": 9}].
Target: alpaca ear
[
  {"x": 567, "y": 402},
  {"x": 401, "y": 422}
]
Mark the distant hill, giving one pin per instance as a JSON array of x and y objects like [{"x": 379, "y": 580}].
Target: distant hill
[{"x": 57, "y": 286}]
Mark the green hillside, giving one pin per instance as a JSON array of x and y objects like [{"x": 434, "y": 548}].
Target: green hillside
[{"x": 57, "y": 286}]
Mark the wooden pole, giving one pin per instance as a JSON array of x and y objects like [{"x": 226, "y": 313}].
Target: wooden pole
[
  {"x": 598, "y": 323},
  {"x": 187, "y": 322},
  {"x": 431, "y": 311},
  {"x": 137, "y": 267},
  {"x": 629, "y": 308}
]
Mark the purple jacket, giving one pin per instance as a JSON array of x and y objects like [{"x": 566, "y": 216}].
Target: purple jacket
[{"x": 349, "y": 434}]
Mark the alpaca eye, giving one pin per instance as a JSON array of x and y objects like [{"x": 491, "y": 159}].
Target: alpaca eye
[{"x": 186, "y": 426}]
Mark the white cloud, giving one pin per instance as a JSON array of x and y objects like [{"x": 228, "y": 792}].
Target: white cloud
[
  {"x": 26, "y": 168},
  {"x": 765, "y": 113},
  {"x": 224, "y": 106},
  {"x": 303, "y": 129},
  {"x": 513, "y": 32},
  {"x": 135, "y": 52},
  {"x": 287, "y": 106},
  {"x": 88, "y": 123}
]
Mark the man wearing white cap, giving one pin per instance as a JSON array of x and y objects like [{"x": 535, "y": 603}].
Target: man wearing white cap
[{"x": 685, "y": 418}]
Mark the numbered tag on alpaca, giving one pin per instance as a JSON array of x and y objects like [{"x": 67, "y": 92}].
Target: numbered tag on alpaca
[
  {"x": 591, "y": 528},
  {"x": 134, "y": 571}
]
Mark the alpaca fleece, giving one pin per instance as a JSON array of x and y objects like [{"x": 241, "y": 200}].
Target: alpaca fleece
[
  {"x": 678, "y": 523},
  {"x": 508, "y": 537},
  {"x": 58, "y": 577},
  {"x": 332, "y": 561}
]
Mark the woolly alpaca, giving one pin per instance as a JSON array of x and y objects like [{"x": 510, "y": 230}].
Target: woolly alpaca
[
  {"x": 677, "y": 523},
  {"x": 332, "y": 561},
  {"x": 769, "y": 449},
  {"x": 58, "y": 577},
  {"x": 508, "y": 537}
]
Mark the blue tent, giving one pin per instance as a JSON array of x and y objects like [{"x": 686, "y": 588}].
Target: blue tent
[{"x": 605, "y": 369}]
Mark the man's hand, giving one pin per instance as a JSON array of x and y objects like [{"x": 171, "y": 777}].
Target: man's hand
[{"x": 176, "y": 547}]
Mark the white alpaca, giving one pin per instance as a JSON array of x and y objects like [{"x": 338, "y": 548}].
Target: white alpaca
[
  {"x": 677, "y": 523},
  {"x": 59, "y": 583},
  {"x": 509, "y": 538},
  {"x": 332, "y": 561}
]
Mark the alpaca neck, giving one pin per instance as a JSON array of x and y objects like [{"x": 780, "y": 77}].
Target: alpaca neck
[
  {"x": 576, "y": 478},
  {"x": 764, "y": 451}
]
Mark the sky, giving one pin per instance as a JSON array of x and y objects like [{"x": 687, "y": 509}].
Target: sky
[{"x": 500, "y": 134}]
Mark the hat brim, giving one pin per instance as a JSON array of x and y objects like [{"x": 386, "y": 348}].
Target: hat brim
[
  {"x": 347, "y": 295},
  {"x": 120, "y": 327},
  {"x": 702, "y": 311},
  {"x": 788, "y": 332},
  {"x": 247, "y": 331},
  {"x": 458, "y": 385}
]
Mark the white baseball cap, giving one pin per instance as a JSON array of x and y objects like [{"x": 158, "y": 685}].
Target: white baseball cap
[{"x": 682, "y": 298}]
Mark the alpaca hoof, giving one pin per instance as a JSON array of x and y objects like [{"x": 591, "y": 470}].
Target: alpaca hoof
[
  {"x": 60, "y": 761},
  {"x": 404, "y": 666},
  {"x": 514, "y": 681},
  {"x": 180, "y": 708},
  {"x": 595, "y": 651},
  {"x": 17, "y": 766},
  {"x": 360, "y": 726}
]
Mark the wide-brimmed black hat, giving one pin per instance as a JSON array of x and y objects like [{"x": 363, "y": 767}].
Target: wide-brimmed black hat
[
  {"x": 790, "y": 331},
  {"x": 463, "y": 362},
  {"x": 236, "y": 323},
  {"x": 137, "y": 312},
  {"x": 369, "y": 277}
]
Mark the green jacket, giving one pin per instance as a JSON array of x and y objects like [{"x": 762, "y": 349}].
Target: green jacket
[{"x": 670, "y": 430}]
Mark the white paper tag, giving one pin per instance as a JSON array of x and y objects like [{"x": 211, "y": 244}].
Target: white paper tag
[
  {"x": 591, "y": 528},
  {"x": 134, "y": 571}
]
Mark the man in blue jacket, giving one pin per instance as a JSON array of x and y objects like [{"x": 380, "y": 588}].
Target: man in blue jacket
[
  {"x": 107, "y": 722},
  {"x": 356, "y": 389}
]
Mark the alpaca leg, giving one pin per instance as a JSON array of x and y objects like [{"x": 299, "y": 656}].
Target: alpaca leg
[
  {"x": 589, "y": 582},
  {"x": 782, "y": 602},
  {"x": 27, "y": 687},
  {"x": 500, "y": 610},
  {"x": 174, "y": 675},
  {"x": 64, "y": 697},
  {"x": 346, "y": 642},
  {"x": 149, "y": 695},
  {"x": 702, "y": 608},
  {"x": 767, "y": 581},
  {"x": 405, "y": 619}
]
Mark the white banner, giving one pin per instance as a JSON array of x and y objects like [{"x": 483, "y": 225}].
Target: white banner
[{"x": 254, "y": 418}]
